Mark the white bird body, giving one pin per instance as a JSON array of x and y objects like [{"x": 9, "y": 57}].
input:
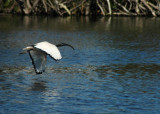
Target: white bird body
[{"x": 39, "y": 51}]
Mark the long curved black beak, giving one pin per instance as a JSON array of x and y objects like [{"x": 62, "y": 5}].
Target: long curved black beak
[{"x": 64, "y": 44}]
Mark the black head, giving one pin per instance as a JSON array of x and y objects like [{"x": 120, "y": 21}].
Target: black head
[{"x": 64, "y": 44}]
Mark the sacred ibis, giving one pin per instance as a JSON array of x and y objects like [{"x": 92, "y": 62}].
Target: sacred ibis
[{"x": 38, "y": 53}]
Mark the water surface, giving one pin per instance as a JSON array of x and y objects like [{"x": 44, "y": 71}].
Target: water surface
[{"x": 114, "y": 68}]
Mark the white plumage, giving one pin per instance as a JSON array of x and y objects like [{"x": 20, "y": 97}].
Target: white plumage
[
  {"x": 39, "y": 51},
  {"x": 50, "y": 49}
]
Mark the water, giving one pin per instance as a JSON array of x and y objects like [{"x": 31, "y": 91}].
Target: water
[{"x": 114, "y": 68}]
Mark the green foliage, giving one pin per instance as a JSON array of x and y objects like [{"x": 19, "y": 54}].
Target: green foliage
[
  {"x": 6, "y": 3},
  {"x": 16, "y": 9}
]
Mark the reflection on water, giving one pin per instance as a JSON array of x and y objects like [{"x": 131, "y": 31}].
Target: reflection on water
[
  {"x": 113, "y": 69},
  {"x": 103, "y": 24}
]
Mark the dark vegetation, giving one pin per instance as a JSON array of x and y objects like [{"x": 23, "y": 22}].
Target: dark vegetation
[{"x": 82, "y": 7}]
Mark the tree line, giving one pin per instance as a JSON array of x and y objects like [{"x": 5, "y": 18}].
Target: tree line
[{"x": 82, "y": 7}]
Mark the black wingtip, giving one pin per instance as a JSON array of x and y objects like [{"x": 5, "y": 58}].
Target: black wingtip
[{"x": 38, "y": 73}]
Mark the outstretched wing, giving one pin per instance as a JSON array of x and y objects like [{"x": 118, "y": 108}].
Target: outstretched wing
[
  {"x": 50, "y": 49},
  {"x": 38, "y": 58}
]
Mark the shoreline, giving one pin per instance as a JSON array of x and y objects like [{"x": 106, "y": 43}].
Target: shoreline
[
  {"x": 112, "y": 15},
  {"x": 82, "y": 7}
]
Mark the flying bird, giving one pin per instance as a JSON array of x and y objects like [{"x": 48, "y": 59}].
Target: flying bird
[{"x": 39, "y": 51}]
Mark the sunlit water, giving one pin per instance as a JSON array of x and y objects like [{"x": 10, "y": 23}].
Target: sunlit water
[{"x": 115, "y": 67}]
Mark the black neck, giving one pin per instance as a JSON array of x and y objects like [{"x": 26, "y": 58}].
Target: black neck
[{"x": 64, "y": 44}]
